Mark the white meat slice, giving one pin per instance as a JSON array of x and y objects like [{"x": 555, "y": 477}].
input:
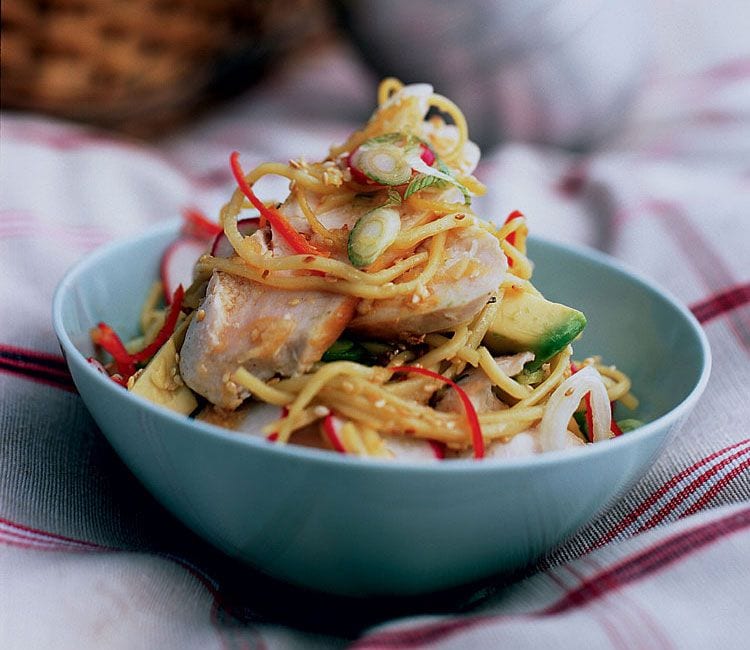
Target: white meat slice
[
  {"x": 523, "y": 444},
  {"x": 406, "y": 449},
  {"x": 267, "y": 331},
  {"x": 478, "y": 387},
  {"x": 473, "y": 268},
  {"x": 250, "y": 418}
]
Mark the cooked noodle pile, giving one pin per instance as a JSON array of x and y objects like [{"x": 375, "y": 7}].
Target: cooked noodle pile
[{"x": 361, "y": 406}]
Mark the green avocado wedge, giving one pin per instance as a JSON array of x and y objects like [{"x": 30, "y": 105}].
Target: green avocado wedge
[{"x": 526, "y": 321}]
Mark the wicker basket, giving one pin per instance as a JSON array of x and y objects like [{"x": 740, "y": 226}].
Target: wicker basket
[{"x": 140, "y": 65}]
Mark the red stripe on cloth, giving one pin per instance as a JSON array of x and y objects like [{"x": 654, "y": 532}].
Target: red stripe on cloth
[
  {"x": 22, "y": 364},
  {"x": 642, "y": 627},
  {"x": 716, "y": 488},
  {"x": 650, "y": 560},
  {"x": 38, "y": 375},
  {"x": 22, "y": 528},
  {"x": 690, "y": 488},
  {"x": 26, "y": 353},
  {"x": 68, "y": 139},
  {"x": 709, "y": 265},
  {"x": 721, "y": 303},
  {"x": 26, "y": 544},
  {"x": 14, "y": 538},
  {"x": 28, "y": 538},
  {"x": 607, "y": 619},
  {"x": 22, "y": 223},
  {"x": 631, "y": 517},
  {"x": 735, "y": 70},
  {"x": 40, "y": 367}
]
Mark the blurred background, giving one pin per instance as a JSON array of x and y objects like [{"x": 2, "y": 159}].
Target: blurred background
[{"x": 564, "y": 72}]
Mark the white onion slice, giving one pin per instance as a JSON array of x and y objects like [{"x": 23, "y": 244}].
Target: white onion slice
[{"x": 565, "y": 400}]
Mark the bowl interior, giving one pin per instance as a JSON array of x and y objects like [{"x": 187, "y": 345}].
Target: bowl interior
[{"x": 632, "y": 324}]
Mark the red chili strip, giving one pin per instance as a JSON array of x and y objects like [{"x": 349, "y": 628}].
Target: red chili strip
[
  {"x": 438, "y": 448},
  {"x": 274, "y": 435},
  {"x": 106, "y": 338},
  {"x": 166, "y": 330},
  {"x": 589, "y": 417},
  {"x": 199, "y": 225},
  {"x": 614, "y": 427},
  {"x": 298, "y": 243},
  {"x": 516, "y": 214},
  {"x": 329, "y": 428},
  {"x": 471, "y": 413}
]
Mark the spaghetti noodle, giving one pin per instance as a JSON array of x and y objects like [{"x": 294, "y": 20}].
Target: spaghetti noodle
[{"x": 420, "y": 302}]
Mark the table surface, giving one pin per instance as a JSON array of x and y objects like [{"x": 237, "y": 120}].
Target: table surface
[{"x": 88, "y": 559}]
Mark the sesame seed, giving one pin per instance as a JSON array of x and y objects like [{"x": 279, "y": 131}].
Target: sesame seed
[
  {"x": 200, "y": 315},
  {"x": 321, "y": 411}
]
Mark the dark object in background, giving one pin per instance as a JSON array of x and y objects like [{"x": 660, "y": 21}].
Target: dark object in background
[{"x": 142, "y": 66}]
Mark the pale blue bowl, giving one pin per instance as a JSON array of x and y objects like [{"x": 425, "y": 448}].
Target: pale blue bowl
[{"x": 365, "y": 527}]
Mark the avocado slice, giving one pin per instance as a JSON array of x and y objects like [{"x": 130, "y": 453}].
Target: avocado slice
[
  {"x": 160, "y": 383},
  {"x": 526, "y": 321}
]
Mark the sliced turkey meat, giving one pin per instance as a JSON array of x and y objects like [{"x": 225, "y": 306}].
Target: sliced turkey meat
[{"x": 471, "y": 272}]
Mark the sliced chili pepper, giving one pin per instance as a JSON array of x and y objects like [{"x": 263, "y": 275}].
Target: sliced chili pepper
[
  {"x": 471, "y": 413},
  {"x": 170, "y": 322},
  {"x": 106, "y": 338},
  {"x": 615, "y": 427},
  {"x": 589, "y": 417},
  {"x": 438, "y": 448},
  {"x": 511, "y": 238},
  {"x": 516, "y": 214},
  {"x": 274, "y": 435},
  {"x": 298, "y": 243},
  {"x": 427, "y": 155},
  {"x": 199, "y": 225},
  {"x": 329, "y": 428}
]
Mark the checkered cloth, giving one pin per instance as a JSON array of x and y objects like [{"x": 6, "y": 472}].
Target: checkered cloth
[{"x": 87, "y": 557}]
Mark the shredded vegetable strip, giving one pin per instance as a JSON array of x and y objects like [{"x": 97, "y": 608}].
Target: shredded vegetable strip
[
  {"x": 274, "y": 217},
  {"x": 471, "y": 414}
]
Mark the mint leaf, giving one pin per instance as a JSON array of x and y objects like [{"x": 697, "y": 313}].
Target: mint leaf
[
  {"x": 420, "y": 182},
  {"x": 394, "y": 198}
]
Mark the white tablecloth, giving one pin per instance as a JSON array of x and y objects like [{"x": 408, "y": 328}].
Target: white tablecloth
[{"x": 88, "y": 559}]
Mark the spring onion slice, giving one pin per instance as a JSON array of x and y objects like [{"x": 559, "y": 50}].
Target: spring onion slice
[
  {"x": 382, "y": 162},
  {"x": 372, "y": 234}
]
